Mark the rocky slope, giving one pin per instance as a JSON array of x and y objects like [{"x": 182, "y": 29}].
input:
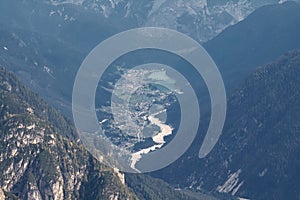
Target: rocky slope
[
  {"x": 37, "y": 161},
  {"x": 260, "y": 146}
]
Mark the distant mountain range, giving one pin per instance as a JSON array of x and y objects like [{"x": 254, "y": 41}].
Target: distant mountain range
[
  {"x": 201, "y": 19},
  {"x": 46, "y": 50}
]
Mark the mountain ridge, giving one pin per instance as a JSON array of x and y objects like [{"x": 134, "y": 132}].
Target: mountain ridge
[
  {"x": 257, "y": 156},
  {"x": 207, "y": 18},
  {"x": 36, "y": 163}
]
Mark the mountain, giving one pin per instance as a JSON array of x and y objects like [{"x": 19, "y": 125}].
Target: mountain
[
  {"x": 200, "y": 19},
  {"x": 204, "y": 19},
  {"x": 38, "y": 161},
  {"x": 262, "y": 133},
  {"x": 262, "y": 37},
  {"x": 46, "y": 50},
  {"x": 257, "y": 156}
]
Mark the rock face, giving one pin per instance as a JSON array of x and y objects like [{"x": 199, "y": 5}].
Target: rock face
[
  {"x": 2, "y": 195},
  {"x": 37, "y": 161}
]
